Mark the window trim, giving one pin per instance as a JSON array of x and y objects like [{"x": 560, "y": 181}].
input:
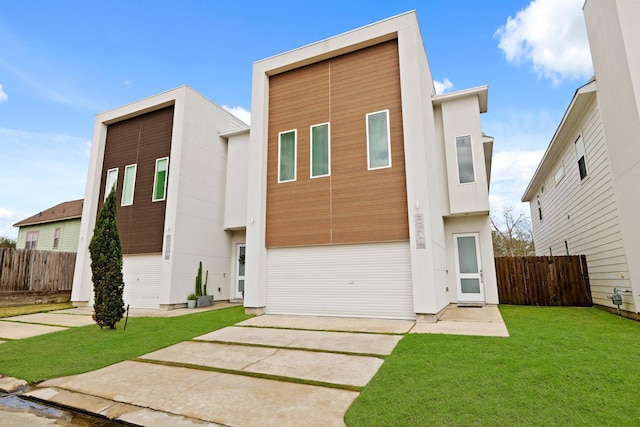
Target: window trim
[
  {"x": 155, "y": 181},
  {"x": 106, "y": 182},
  {"x": 133, "y": 184},
  {"x": 473, "y": 163},
  {"x": 33, "y": 243},
  {"x": 311, "y": 175},
  {"x": 584, "y": 157},
  {"x": 295, "y": 155},
  {"x": 389, "y": 156},
  {"x": 56, "y": 237},
  {"x": 559, "y": 174}
]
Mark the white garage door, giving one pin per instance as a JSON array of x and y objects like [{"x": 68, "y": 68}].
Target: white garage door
[
  {"x": 363, "y": 280},
  {"x": 141, "y": 280}
]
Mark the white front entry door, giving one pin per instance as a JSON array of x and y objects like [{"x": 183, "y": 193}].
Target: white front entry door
[
  {"x": 468, "y": 268},
  {"x": 240, "y": 260}
]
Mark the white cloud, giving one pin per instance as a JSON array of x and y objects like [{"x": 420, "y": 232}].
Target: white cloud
[
  {"x": 443, "y": 86},
  {"x": 551, "y": 34},
  {"x": 127, "y": 82},
  {"x": 3, "y": 95},
  {"x": 240, "y": 113}
]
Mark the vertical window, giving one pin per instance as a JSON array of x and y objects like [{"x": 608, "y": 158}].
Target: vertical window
[
  {"x": 566, "y": 247},
  {"x": 56, "y": 238},
  {"x": 550, "y": 252},
  {"x": 464, "y": 153},
  {"x": 582, "y": 164},
  {"x": 111, "y": 181},
  {"x": 160, "y": 179},
  {"x": 32, "y": 240},
  {"x": 539, "y": 208},
  {"x": 559, "y": 174},
  {"x": 378, "y": 140},
  {"x": 129, "y": 185},
  {"x": 320, "y": 150},
  {"x": 287, "y": 156}
]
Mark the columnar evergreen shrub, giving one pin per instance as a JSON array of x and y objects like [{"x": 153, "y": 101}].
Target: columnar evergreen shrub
[{"x": 106, "y": 266}]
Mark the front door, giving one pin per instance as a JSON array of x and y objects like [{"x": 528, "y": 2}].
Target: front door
[
  {"x": 240, "y": 254},
  {"x": 468, "y": 268}
]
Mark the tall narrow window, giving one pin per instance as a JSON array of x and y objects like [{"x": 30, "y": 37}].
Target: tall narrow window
[
  {"x": 378, "y": 140},
  {"x": 287, "y": 156},
  {"x": 566, "y": 247},
  {"x": 539, "y": 208},
  {"x": 464, "y": 153},
  {"x": 320, "y": 150},
  {"x": 129, "y": 185},
  {"x": 559, "y": 174},
  {"x": 32, "y": 240},
  {"x": 160, "y": 179},
  {"x": 111, "y": 181},
  {"x": 56, "y": 238},
  {"x": 582, "y": 164}
]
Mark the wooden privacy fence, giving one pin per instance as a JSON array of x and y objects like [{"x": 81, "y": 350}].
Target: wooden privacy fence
[
  {"x": 544, "y": 280},
  {"x": 31, "y": 270}
]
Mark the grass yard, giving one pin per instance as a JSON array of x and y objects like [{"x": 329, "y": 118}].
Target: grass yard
[
  {"x": 79, "y": 350},
  {"x": 33, "y": 308},
  {"x": 561, "y": 366}
]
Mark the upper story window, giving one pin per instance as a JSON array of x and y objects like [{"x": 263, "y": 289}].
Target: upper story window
[
  {"x": 111, "y": 181},
  {"x": 32, "y": 240},
  {"x": 378, "y": 140},
  {"x": 129, "y": 185},
  {"x": 287, "y": 142},
  {"x": 539, "y": 207},
  {"x": 582, "y": 163},
  {"x": 320, "y": 150},
  {"x": 559, "y": 174},
  {"x": 160, "y": 180},
  {"x": 56, "y": 238},
  {"x": 464, "y": 154}
]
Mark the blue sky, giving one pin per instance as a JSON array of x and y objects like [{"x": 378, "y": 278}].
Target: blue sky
[{"x": 62, "y": 62}]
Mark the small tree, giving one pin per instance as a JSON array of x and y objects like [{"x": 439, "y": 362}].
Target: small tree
[
  {"x": 106, "y": 266},
  {"x": 512, "y": 234},
  {"x": 7, "y": 242}
]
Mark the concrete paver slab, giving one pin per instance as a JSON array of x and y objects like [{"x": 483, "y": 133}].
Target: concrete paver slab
[
  {"x": 346, "y": 342},
  {"x": 487, "y": 329},
  {"x": 349, "y": 324},
  {"x": 10, "y": 384},
  {"x": 53, "y": 318},
  {"x": 472, "y": 314},
  {"x": 15, "y": 330},
  {"x": 150, "y": 312},
  {"x": 212, "y": 396},
  {"x": 308, "y": 365}
]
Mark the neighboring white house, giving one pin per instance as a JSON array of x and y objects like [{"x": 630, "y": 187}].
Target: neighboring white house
[
  {"x": 362, "y": 192},
  {"x": 53, "y": 229},
  {"x": 585, "y": 195},
  {"x": 177, "y": 161}
]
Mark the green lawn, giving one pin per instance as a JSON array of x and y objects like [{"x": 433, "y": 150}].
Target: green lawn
[
  {"x": 561, "y": 366},
  {"x": 78, "y": 350},
  {"x": 33, "y": 308}
]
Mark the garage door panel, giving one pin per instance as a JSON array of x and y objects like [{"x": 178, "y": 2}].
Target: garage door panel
[
  {"x": 142, "y": 280},
  {"x": 364, "y": 280}
]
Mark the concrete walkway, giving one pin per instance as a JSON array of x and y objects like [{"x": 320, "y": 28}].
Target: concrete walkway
[{"x": 266, "y": 371}]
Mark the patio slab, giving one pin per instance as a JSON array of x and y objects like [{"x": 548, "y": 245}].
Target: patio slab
[
  {"x": 346, "y": 342},
  {"x": 486, "y": 329},
  {"x": 318, "y": 323},
  {"x": 307, "y": 365},
  {"x": 211, "y": 396},
  {"x": 16, "y": 330},
  {"x": 53, "y": 318}
]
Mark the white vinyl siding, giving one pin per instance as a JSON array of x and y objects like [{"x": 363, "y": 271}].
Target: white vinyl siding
[
  {"x": 142, "y": 280},
  {"x": 320, "y": 150},
  {"x": 360, "y": 280},
  {"x": 378, "y": 140},
  {"x": 129, "y": 184},
  {"x": 584, "y": 213},
  {"x": 464, "y": 157},
  {"x": 287, "y": 163},
  {"x": 68, "y": 240}
]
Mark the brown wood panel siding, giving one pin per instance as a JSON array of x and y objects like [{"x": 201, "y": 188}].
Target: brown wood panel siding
[
  {"x": 354, "y": 204},
  {"x": 139, "y": 140}
]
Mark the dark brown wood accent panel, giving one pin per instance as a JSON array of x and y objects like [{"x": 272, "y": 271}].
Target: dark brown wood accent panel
[
  {"x": 354, "y": 204},
  {"x": 139, "y": 140}
]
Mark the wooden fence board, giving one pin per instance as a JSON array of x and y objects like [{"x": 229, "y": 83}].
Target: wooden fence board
[
  {"x": 32, "y": 270},
  {"x": 544, "y": 280}
]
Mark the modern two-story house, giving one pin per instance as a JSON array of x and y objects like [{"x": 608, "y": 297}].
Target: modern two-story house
[
  {"x": 584, "y": 196},
  {"x": 368, "y": 193},
  {"x": 357, "y": 192}
]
